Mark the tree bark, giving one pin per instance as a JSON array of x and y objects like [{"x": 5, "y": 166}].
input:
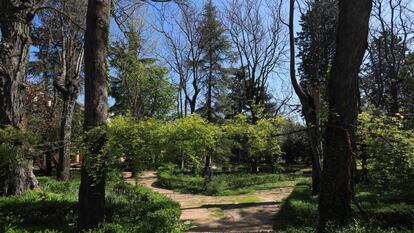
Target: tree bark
[
  {"x": 92, "y": 187},
  {"x": 337, "y": 179},
  {"x": 65, "y": 137},
  {"x": 15, "y": 23}
]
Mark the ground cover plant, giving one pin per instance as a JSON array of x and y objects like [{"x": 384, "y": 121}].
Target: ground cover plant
[
  {"x": 53, "y": 208},
  {"x": 378, "y": 212},
  {"x": 223, "y": 184}
]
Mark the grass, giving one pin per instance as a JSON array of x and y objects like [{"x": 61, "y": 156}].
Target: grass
[
  {"x": 53, "y": 208},
  {"x": 383, "y": 214},
  {"x": 225, "y": 184},
  {"x": 217, "y": 213}
]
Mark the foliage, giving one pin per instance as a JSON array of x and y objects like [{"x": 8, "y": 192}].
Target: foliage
[
  {"x": 390, "y": 151},
  {"x": 295, "y": 144},
  {"x": 140, "y": 87},
  {"x": 137, "y": 142},
  {"x": 191, "y": 138},
  {"x": 148, "y": 143},
  {"x": 214, "y": 50},
  {"x": 256, "y": 141},
  {"x": 11, "y": 141},
  {"x": 222, "y": 184},
  {"x": 316, "y": 44},
  {"x": 53, "y": 208}
]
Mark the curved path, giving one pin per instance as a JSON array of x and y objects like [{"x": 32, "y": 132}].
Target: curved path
[{"x": 253, "y": 212}]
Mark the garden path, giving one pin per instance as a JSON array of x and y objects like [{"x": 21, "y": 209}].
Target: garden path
[{"x": 253, "y": 212}]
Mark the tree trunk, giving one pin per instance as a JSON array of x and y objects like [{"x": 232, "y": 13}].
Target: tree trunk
[
  {"x": 92, "y": 187},
  {"x": 351, "y": 41},
  {"x": 65, "y": 138},
  {"x": 209, "y": 96},
  {"x": 48, "y": 163},
  {"x": 207, "y": 165},
  {"x": 15, "y": 23}
]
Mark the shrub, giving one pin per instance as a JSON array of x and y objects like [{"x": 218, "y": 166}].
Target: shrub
[
  {"x": 390, "y": 150},
  {"x": 53, "y": 208},
  {"x": 222, "y": 184}
]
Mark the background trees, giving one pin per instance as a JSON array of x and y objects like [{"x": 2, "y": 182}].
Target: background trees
[
  {"x": 259, "y": 47},
  {"x": 60, "y": 54},
  {"x": 140, "y": 87}
]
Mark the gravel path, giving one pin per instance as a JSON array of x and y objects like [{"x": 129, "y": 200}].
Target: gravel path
[{"x": 254, "y": 212}]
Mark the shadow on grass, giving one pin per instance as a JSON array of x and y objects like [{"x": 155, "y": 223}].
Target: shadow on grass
[{"x": 300, "y": 210}]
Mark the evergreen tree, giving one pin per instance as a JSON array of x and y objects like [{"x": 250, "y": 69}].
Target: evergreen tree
[
  {"x": 215, "y": 50},
  {"x": 140, "y": 86}
]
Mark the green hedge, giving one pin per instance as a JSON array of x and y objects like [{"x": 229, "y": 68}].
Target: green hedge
[
  {"x": 53, "y": 208},
  {"x": 222, "y": 184}
]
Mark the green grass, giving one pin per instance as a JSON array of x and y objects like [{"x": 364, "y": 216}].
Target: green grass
[
  {"x": 53, "y": 208},
  {"x": 383, "y": 214},
  {"x": 224, "y": 184}
]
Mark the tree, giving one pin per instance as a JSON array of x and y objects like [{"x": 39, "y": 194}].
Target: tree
[
  {"x": 214, "y": 51},
  {"x": 140, "y": 86},
  {"x": 407, "y": 93},
  {"x": 60, "y": 54},
  {"x": 184, "y": 56},
  {"x": 382, "y": 82},
  {"x": 92, "y": 186},
  {"x": 337, "y": 179},
  {"x": 316, "y": 48},
  {"x": 259, "y": 46},
  {"x": 15, "y": 24}
]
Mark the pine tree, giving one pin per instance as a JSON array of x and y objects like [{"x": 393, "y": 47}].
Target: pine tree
[
  {"x": 215, "y": 48},
  {"x": 140, "y": 87}
]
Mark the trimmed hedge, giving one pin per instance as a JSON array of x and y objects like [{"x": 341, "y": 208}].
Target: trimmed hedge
[{"x": 53, "y": 208}]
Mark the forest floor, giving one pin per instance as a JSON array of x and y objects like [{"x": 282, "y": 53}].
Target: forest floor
[{"x": 253, "y": 212}]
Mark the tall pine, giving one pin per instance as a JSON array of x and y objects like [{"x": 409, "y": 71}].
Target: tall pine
[{"x": 215, "y": 48}]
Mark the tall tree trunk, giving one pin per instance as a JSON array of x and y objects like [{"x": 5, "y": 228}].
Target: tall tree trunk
[
  {"x": 209, "y": 96},
  {"x": 15, "y": 21},
  {"x": 337, "y": 179},
  {"x": 92, "y": 187},
  {"x": 65, "y": 137}
]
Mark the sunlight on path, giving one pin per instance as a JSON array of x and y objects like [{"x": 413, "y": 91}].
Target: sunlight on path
[{"x": 251, "y": 212}]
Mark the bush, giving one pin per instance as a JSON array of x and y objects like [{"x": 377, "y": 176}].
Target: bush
[
  {"x": 14, "y": 143},
  {"x": 390, "y": 151},
  {"x": 145, "y": 144},
  {"x": 53, "y": 208}
]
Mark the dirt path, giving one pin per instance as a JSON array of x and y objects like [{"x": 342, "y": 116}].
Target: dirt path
[{"x": 254, "y": 212}]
